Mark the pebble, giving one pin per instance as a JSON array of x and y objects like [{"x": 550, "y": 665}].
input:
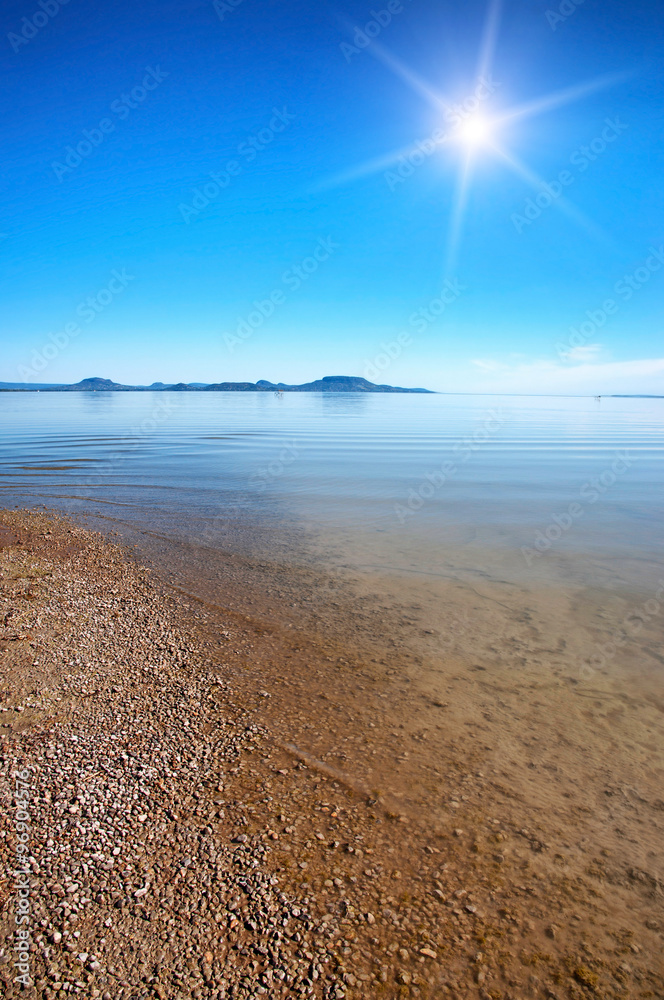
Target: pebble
[
  {"x": 155, "y": 880},
  {"x": 132, "y": 856}
]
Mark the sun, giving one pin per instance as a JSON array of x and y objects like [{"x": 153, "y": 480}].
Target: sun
[
  {"x": 476, "y": 136},
  {"x": 475, "y": 131}
]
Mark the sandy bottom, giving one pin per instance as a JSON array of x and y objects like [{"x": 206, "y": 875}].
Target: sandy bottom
[{"x": 472, "y": 778}]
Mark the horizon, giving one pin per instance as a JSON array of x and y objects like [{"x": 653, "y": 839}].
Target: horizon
[
  {"x": 198, "y": 383},
  {"x": 464, "y": 200}
]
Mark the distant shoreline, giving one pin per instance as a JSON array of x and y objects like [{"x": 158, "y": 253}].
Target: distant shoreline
[
  {"x": 238, "y": 387},
  {"x": 329, "y": 383}
]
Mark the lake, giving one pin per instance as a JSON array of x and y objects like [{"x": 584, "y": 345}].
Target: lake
[
  {"x": 533, "y": 478},
  {"x": 415, "y": 497},
  {"x": 455, "y": 602}
]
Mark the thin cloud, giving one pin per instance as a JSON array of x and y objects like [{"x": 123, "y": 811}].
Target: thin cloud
[
  {"x": 584, "y": 376},
  {"x": 586, "y": 352}
]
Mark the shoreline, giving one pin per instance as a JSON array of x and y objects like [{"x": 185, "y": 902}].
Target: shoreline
[
  {"x": 128, "y": 781},
  {"x": 211, "y": 718}
]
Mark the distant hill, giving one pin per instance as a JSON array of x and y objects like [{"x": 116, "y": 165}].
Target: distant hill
[{"x": 331, "y": 383}]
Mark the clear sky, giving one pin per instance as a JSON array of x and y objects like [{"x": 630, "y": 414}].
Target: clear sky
[{"x": 204, "y": 192}]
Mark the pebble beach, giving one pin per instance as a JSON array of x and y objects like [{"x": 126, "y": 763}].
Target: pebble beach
[{"x": 175, "y": 848}]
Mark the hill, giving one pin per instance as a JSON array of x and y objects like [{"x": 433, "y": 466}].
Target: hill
[{"x": 330, "y": 383}]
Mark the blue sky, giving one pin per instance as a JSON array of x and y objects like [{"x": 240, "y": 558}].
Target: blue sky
[{"x": 182, "y": 198}]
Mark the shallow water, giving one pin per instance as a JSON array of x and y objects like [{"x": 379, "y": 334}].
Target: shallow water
[
  {"x": 414, "y": 467},
  {"x": 406, "y": 578},
  {"x": 415, "y": 498}
]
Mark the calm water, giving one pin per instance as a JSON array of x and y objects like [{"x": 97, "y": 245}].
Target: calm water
[
  {"x": 416, "y": 499},
  {"x": 496, "y": 532},
  {"x": 419, "y": 469},
  {"x": 374, "y": 562}
]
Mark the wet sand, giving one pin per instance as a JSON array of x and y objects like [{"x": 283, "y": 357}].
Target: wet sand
[{"x": 467, "y": 810}]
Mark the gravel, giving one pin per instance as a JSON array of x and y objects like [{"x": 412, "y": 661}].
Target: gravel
[{"x": 142, "y": 884}]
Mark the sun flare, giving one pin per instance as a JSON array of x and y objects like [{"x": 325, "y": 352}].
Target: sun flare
[
  {"x": 473, "y": 136},
  {"x": 475, "y": 131}
]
